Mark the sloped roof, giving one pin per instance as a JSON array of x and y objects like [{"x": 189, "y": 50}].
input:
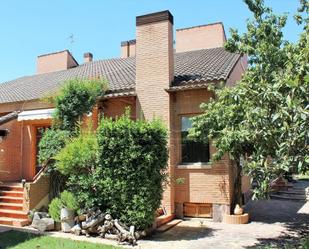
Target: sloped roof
[{"x": 191, "y": 68}]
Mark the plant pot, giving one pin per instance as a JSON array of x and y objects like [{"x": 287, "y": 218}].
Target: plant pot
[
  {"x": 238, "y": 210},
  {"x": 67, "y": 219},
  {"x": 57, "y": 226}
]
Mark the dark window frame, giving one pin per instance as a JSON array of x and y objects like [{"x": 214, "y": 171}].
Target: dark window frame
[{"x": 192, "y": 152}]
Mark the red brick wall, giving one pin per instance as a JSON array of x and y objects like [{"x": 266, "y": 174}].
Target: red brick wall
[
  {"x": 208, "y": 185},
  {"x": 10, "y": 153}
]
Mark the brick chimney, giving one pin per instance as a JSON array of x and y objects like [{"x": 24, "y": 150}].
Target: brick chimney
[
  {"x": 154, "y": 73},
  {"x": 128, "y": 48},
  {"x": 154, "y": 64},
  {"x": 88, "y": 57},
  {"x": 200, "y": 37},
  {"x": 57, "y": 61}
]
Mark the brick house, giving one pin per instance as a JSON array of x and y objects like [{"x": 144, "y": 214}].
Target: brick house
[{"x": 154, "y": 77}]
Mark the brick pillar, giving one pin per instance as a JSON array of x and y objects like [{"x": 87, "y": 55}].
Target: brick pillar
[{"x": 154, "y": 73}]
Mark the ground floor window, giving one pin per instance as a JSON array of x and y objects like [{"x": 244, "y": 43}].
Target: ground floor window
[{"x": 192, "y": 151}]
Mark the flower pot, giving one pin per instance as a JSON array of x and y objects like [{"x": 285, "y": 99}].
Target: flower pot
[
  {"x": 238, "y": 210},
  {"x": 67, "y": 219},
  {"x": 57, "y": 226}
]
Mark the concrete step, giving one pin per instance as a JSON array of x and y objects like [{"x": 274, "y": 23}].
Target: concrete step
[
  {"x": 12, "y": 193},
  {"x": 292, "y": 192},
  {"x": 288, "y": 197},
  {"x": 11, "y": 187},
  {"x": 11, "y": 206},
  {"x": 13, "y": 222},
  {"x": 168, "y": 225},
  {"x": 13, "y": 214},
  {"x": 10, "y": 199}
]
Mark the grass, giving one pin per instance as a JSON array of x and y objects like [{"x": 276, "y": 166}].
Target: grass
[{"x": 22, "y": 240}]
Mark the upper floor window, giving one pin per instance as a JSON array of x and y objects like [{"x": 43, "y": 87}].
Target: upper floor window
[{"x": 192, "y": 151}]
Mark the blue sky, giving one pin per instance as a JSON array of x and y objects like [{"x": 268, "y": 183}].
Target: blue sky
[{"x": 31, "y": 28}]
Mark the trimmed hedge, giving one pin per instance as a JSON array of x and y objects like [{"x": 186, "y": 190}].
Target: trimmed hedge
[{"x": 133, "y": 158}]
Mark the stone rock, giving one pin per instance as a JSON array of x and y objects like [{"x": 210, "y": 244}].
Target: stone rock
[
  {"x": 77, "y": 230},
  {"x": 44, "y": 224},
  {"x": 40, "y": 215}
]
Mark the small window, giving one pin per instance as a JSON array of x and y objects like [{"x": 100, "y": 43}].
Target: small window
[{"x": 192, "y": 151}]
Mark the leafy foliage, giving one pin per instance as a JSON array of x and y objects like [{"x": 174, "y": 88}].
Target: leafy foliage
[
  {"x": 264, "y": 119},
  {"x": 54, "y": 209},
  {"x": 127, "y": 178},
  {"x": 79, "y": 155},
  {"x": 76, "y": 98},
  {"x": 133, "y": 156},
  {"x": 51, "y": 144},
  {"x": 66, "y": 200}
]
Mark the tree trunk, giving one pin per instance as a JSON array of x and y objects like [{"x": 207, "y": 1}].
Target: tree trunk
[{"x": 237, "y": 193}]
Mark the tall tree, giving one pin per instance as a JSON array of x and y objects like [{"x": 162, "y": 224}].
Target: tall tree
[{"x": 263, "y": 121}]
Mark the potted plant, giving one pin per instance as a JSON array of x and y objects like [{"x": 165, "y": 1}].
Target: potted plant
[
  {"x": 54, "y": 212},
  {"x": 63, "y": 209}
]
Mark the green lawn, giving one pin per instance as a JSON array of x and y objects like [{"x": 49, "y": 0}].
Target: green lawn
[{"x": 21, "y": 240}]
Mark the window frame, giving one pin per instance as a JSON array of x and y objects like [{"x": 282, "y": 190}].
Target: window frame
[{"x": 190, "y": 165}]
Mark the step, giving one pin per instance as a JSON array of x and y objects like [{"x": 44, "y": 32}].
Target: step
[
  {"x": 168, "y": 226},
  {"x": 13, "y": 214},
  {"x": 10, "y": 199},
  {"x": 12, "y": 193},
  {"x": 292, "y": 192},
  {"x": 291, "y": 198},
  {"x": 11, "y": 188},
  {"x": 13, "y": 222},
  {"x": 11, "y": 206}
]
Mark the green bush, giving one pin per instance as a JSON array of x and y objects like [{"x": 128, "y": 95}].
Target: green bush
[
  {"x": 51, "y": 143},
  {"x": 66, "y": 200},
  {"x": 78, "y": 155},
  {"x": 121, "y": 171},
  {"x": 54, "y": 209},
  {"x": 76, "y": 98},
  {"x": 133, "y": 158}
]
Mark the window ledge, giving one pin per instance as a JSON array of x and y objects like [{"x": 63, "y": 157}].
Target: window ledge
[{"x": 195, "y": 166}]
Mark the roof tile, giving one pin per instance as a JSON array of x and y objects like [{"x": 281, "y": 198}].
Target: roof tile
[{"x": 194, "y": 67}]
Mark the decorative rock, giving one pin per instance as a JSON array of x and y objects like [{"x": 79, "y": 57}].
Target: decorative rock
[
  {"x": 77, "y": 230},
  {"x": 40, "y": 215},
  {"x": 45, "y": 224}
]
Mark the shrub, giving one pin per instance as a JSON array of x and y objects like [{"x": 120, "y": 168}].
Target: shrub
[
  {"x": 66, "y": 200},
  {"x": 54, "y": 209},
  {"x": 121, "y": 172},
  {"x": 133, "y": 158},
  {"x": 51, "y": 143},
  {"x": 79, "y": 155},
  {"x": 76, "y": 98}
]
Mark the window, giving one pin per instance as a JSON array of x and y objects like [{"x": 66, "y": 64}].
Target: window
[{"x": 192, "y": 151}]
